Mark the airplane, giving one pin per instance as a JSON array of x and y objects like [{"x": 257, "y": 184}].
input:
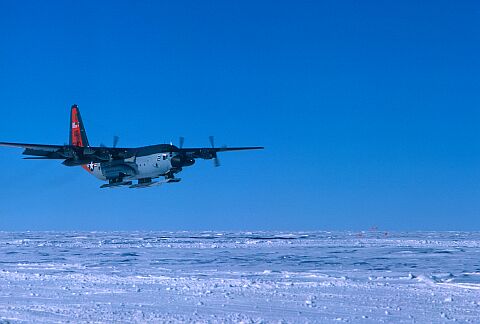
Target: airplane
[{"x": 121, "y": 166}]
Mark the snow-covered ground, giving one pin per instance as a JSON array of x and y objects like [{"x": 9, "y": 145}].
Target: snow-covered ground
[{"x": 247, "y": 277}]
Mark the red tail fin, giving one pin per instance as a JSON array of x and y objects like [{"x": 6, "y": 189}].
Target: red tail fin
[{"x": 78, "y": 136}]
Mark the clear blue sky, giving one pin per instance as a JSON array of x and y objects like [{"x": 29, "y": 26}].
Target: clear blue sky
[{"x": 369, "y": 112}]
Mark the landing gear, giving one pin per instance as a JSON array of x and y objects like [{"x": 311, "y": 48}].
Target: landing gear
[
  {"x": 145, "y": 181},
  {"x": 170, "y": 177},
  {"x": 117, "y": 182},
  {"x": 142, "y": 183}
]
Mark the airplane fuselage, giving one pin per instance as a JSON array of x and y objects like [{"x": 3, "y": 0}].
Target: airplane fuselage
[{"x": 150, "y": 166}]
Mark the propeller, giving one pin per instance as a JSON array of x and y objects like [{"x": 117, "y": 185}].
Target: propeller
[
  {"x": 181, "y": 140},
  {"x": 115, "y": 142},
  {"x": 216, "y": 161}
]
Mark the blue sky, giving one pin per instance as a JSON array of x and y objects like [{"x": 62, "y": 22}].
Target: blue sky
[{"x": 369, "y": 112}]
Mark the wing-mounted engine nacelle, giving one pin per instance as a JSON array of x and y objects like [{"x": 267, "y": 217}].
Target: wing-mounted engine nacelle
[
  {"x": 180, "y": 161},
  {"x": 207, "y": 154},
  {"x": 114, "y": 171}
]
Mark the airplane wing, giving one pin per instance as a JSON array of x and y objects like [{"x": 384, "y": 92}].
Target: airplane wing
[
  {"x": 209, "y": 153},
  {"x": 74, "y": 154},
  {"x": 198, "y": 152}
]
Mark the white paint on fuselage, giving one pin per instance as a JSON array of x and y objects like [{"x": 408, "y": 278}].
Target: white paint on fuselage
[{"x": 150, "y": 166}]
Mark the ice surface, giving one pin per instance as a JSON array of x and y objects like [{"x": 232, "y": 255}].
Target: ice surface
[{"x": 255, "y": 277}]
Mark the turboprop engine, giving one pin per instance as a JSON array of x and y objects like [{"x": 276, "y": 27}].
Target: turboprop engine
[{"x": 180, "y": 161}]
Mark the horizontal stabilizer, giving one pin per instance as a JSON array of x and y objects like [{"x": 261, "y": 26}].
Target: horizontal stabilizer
[{"x": 42, "y": 147}]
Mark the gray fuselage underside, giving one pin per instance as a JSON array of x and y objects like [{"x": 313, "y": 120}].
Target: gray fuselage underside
[{"x": 148, "y": 166}]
